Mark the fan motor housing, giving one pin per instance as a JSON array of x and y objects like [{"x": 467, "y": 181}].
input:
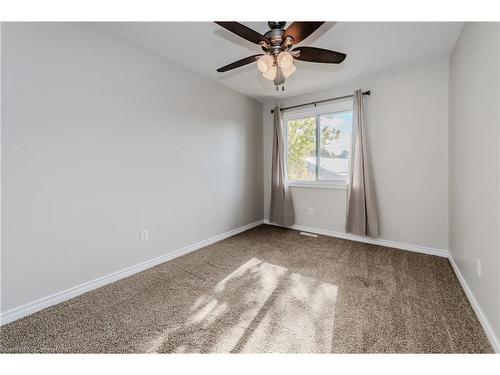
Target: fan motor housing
[
  {"x": 275, "y": 35},
  {"x": 277, "y": 24}
]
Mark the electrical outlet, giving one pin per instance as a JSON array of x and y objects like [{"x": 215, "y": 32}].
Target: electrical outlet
[
  {"x": 143, "y": 235},
  {"x": 478, "y": 267},
  {"x": 311, "y": 211}
]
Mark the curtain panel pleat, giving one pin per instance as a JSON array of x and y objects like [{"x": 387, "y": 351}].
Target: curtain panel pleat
[
  {"x": 281, "y": 211},
  {"x": 362, "y": 215}
]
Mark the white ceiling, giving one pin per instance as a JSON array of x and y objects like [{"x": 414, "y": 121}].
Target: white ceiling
[{"x": 372, "y": 48}]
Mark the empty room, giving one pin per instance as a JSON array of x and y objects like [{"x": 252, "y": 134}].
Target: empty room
[{"x": 250, "y": 187}]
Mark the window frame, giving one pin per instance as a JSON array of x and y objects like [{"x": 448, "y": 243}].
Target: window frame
[{"x": 316, "y": 112}]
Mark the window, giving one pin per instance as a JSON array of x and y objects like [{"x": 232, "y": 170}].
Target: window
[{"x": 319, "y": 145}]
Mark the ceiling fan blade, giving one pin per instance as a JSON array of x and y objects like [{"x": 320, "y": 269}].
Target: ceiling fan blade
[
  {"x": 244, "y": 32},
  {"x": 301, "y": 30},
  {"x": 237, "y": 64},
  {"x": 319, "y": 55}
]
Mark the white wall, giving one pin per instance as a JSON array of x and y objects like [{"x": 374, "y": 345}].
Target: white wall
[
  {"x": 102, "y": 138},
  {"x": 474, "y": 152},
  {"x": 406, "y": 123}
]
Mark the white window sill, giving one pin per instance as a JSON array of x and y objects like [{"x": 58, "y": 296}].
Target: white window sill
[{"x": 340, "y": 184}]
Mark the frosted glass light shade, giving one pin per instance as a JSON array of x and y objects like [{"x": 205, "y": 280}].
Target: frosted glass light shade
[
  {"x": 270, "y": 73},
  {"x": 264, "y": 63},
  {"x": 285, "y": 60},
  {"x": 289, "y": 71}
]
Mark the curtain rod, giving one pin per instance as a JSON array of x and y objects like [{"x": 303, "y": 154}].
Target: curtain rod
[{"x": 368, "y": 92}]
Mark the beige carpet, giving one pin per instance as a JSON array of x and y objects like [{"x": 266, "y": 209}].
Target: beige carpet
[{"x": 266, "y": 290}]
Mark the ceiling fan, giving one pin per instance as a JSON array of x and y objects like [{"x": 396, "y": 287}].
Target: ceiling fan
[{"x": 276, "y": 63}]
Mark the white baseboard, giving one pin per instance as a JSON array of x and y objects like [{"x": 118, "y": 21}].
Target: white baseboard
[
  {"x": 42, "y": 303},
  {"x": 488, "y": 330},
  {"x": 374, "y": 241}
]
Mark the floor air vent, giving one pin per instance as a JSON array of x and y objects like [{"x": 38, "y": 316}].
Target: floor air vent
[{"x": 309, "y": 234}]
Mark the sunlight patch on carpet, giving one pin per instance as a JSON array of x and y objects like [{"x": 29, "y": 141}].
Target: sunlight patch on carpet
[{"x": 258, "y": 307}]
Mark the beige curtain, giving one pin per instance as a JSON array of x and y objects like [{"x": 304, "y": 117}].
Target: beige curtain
[
  {"x": 281, "y": 201},
  {"x": 362, "y": 216}
]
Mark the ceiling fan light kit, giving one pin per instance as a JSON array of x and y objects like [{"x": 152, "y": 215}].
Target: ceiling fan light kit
[
  {"x": 287, "y": 72},
  {"x": 277, "y": 62},
  {"x": 285, "y": 60},
  {"x": 264, "y": 63},
  {"x": 270, "y": 73}
]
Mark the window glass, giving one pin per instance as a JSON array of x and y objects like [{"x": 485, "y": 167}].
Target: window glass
[
  {"x": 319, "y": 146},
  {"x": 301, "y": 137},
  {"x": 335, "y": 145}
]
